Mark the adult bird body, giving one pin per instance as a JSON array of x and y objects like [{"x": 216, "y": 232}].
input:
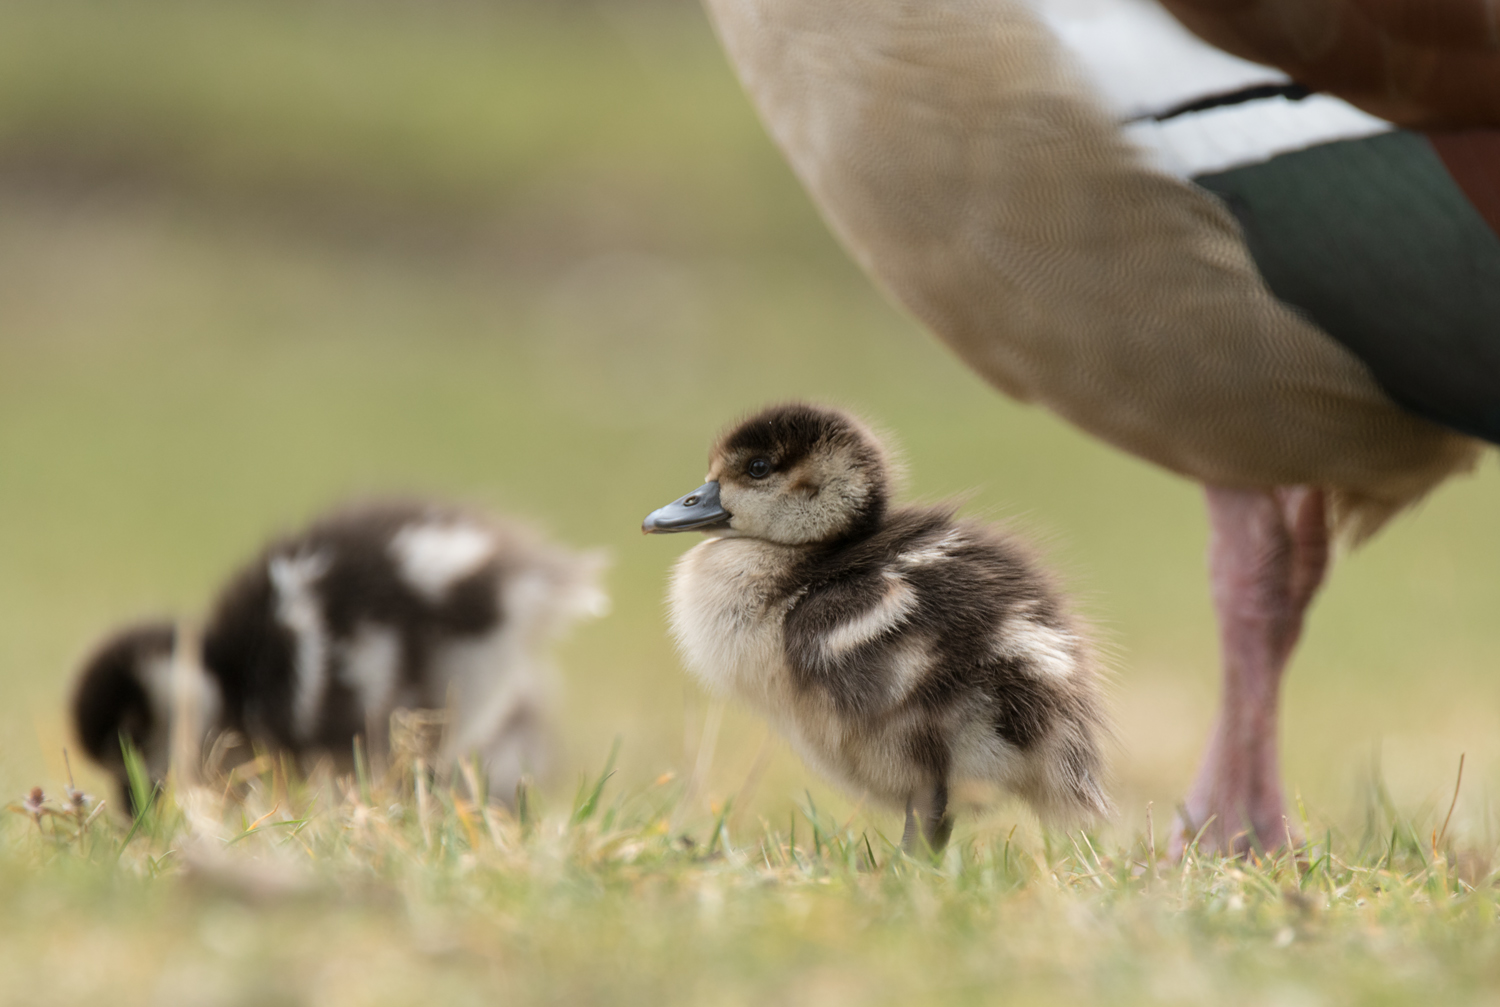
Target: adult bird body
[{"x": 970, "y": 156}]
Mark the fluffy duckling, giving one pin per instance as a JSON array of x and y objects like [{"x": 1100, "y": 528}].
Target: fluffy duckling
[
  {"x": 899, "y": 650},
  {"x": 329, "y": 630}
]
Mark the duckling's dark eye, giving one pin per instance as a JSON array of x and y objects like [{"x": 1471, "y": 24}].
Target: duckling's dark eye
[{"x": 758, "y": 468}]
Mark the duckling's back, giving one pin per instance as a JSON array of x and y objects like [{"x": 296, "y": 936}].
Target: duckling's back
[{"x": 952, "y": 632}]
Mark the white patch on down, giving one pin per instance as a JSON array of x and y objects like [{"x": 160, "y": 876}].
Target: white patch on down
[
  {"x": 498, "y": 686},
  {"x": 979, "y": 753},
  {"x": 161, "y": 675},
  {"x": 586, "y": 599},
  {"x": 558, "y": 594},
  {"x": 1049, "y": 653},
  {"x": 909, "y": 663},
  {"x": 432, "y": 557},
  {"x": 898, "y": 601},
  {"x": 527, "y": 600},
  {"x": 932, "y": 552},
  {"x": 488, "y": 679},
  {"x": 299, "y": 610},
  {"x": 371, "y": 666},
  {"x": 155, "y": 673}
]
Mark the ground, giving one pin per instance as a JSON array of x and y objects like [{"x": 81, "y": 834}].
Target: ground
[
  {"x": 359, "y": 895},
  {"x": 256, "y": 258}
]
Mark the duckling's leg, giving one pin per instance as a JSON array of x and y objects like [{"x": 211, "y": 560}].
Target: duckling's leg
[
  {"x": 927, "y": 811},
  {"x": 1268, "y": 552}
]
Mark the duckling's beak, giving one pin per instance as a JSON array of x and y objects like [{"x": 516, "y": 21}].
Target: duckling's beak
[{"x": 699, "y": 509}]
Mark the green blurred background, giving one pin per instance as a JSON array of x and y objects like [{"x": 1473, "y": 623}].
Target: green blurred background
[{"x": 256, "y": 257}]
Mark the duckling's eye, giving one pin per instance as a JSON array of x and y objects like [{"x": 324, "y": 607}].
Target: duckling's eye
[{"x": 758, "y": 468}]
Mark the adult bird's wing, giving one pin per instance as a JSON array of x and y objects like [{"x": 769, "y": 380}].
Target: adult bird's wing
[
  {"x": 970, "y": 165},
  {"x": 1386, "y": 239},
  {"x": 1420, "y": 63}
]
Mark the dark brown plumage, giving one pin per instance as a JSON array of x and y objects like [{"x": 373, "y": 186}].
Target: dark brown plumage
[{"x": 1420, "y": 63}]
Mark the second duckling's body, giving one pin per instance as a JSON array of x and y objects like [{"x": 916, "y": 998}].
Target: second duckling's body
[
  {"x": 899, "y": 651},
  {"x": 319, "y": 638}
]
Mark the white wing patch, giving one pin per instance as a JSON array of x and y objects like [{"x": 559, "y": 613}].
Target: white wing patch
[
  {"x": 1143, "y": 62},
  {"x": 898, "y": 601},
  {"x": 433, "y": 557},
  {"x": 1232, "y": 136},
  {"x": 299, "y": 610},
  {"x": 1049, "y": 653},
  {"x": 932, "y": 552}
]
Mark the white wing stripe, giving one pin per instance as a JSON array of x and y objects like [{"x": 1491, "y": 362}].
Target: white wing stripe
[
  {"x": 894, "y": 606},
  {"x": 1232, "y": 136}
]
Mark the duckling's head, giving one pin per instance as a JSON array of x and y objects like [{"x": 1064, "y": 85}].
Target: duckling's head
[
  {"x": 795, "y": 474},
  {"x": 123, "y": 694}
]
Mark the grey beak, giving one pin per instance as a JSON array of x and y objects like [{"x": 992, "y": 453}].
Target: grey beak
[{"x": 699, "y": 509}]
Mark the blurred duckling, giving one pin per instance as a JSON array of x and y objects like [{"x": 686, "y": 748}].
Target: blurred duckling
[
  {"x": 322, "y": 636},
  {"x": 899, "y": 650}
]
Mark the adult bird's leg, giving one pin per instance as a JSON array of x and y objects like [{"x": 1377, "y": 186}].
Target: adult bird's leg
[
  {"x": 927, "y": 816},
  {"x": 1268, "y": 552}
]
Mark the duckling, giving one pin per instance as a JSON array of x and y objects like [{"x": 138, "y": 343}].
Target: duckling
[
  {"x": 899, "y": 650},
  {"x": 370, "y": 608}
]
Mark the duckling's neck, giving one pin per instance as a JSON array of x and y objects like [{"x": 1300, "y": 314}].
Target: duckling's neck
[{"x": 865, "y": 523}]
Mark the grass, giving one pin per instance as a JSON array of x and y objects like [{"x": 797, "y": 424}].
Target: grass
[
  {"x": 258, "y": 257},
  {"x": 274, "y": 890}
]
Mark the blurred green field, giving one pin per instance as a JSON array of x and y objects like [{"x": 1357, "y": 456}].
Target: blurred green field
[{"x": 259, "y": 257}]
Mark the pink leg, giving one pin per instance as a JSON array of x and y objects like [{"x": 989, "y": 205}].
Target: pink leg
[{"x": 1268, "y": 552}]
